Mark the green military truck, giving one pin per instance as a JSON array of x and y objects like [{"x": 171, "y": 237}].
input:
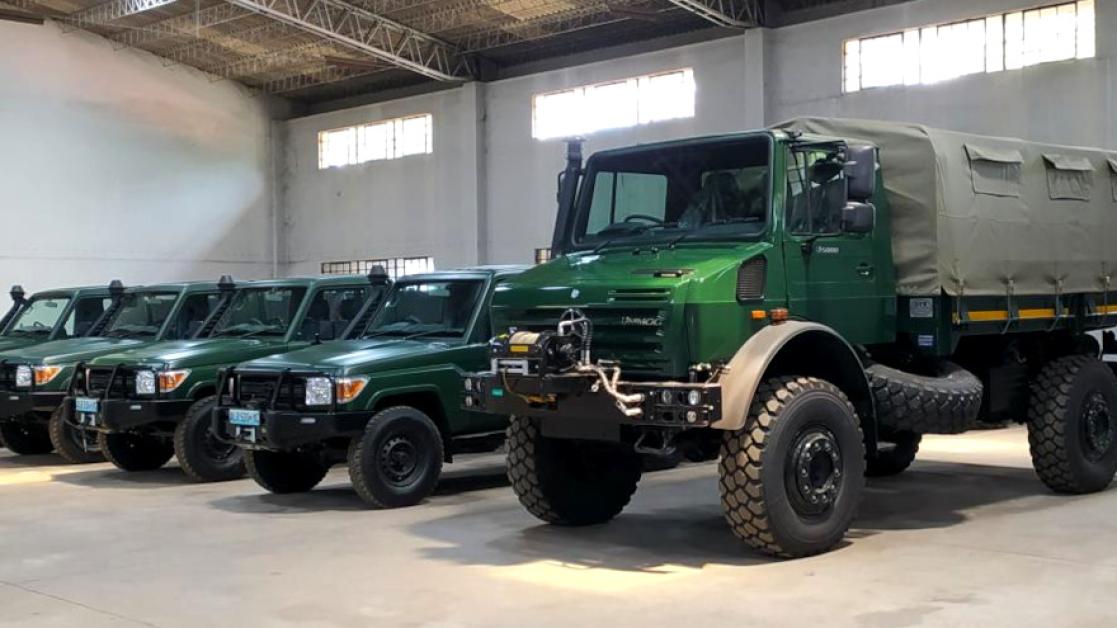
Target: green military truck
[
  {"x": 147, "y": 404},
  {"x": 805, "y": 302},
  {"x": 35, "y": 380},
  {"x": 385, "y": 399}
]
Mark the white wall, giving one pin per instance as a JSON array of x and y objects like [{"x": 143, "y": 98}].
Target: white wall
[
  {"x": 113, "y": 165},
  {"x": 491, "y": 199}
]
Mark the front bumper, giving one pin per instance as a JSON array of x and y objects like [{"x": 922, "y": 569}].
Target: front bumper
[
  {"x": 572, "y": 398},
  {"x": 13, "y": 404},
  {"x": 286, "y": 430},
  {"x": 123, "y": 415}
]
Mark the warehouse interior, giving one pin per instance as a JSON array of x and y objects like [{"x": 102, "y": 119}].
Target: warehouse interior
[{"x": 168, "y": 140}]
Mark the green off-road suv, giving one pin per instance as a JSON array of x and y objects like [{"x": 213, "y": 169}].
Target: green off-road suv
[
  {"x": 149, "y": 403},
  {"x": 386, "y": 398},
  {"x": 35, "y": 380}
]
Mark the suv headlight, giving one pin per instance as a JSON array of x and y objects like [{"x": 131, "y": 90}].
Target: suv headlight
[
  {"x": 23, "y": 376},
  {"x": 319, "y": 391},
  {"x": 145, "y": 382}
]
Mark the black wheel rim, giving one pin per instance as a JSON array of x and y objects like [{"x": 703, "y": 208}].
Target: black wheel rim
[
  {"x": 1097, "y": 426},
  {"x": 216, "y": 450},
  {"x": 83, "y": 440},
  {"x": 814, "y": 472},
  {"x": 399, "y": 459}
]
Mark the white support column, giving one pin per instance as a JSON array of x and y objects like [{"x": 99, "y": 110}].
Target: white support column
[
  {"x": 756, "y": 96},
  {"x": 475, "y": 165}
]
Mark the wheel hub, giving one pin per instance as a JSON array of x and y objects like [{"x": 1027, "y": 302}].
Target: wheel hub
[
  {"x": 398, "y": 459},
  {"x": 816, "y": 463},
  {"x": 1098, "y": 425}
]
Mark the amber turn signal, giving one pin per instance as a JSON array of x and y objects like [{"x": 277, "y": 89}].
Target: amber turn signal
[
  {"x": 779, "y": 314},
  {"x": 759, "y": 315}
]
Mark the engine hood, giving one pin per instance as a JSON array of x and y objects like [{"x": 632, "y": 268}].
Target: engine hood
[
  {"x": 193, "y": 353},
  {"x": 8, "y": 343},
  {"x": 644, "y": 304},
  {"x": 70, "y": 351},
  {"x": 347, "y": 357}
]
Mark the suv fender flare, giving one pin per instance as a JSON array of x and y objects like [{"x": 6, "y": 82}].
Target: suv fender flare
[{"x": 793, "y": 348}]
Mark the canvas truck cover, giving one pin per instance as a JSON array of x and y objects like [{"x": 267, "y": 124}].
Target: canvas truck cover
[{"x": 981, "y": 216}]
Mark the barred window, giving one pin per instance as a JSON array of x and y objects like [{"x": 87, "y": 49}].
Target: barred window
[
  {"x": 387, "y": 139},
  {"x": 396, "y": 267}
]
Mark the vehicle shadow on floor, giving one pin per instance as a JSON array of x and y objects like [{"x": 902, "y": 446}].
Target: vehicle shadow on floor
[
  {"x": 110, "y": 477},
  {"x": 457, "y": 486},
  {"x": 679, "y": 522}
]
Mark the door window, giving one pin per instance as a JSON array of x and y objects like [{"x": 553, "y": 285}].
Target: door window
[
  {"x": 331, "y": 311},
  {"x": 816, "y": 192}
]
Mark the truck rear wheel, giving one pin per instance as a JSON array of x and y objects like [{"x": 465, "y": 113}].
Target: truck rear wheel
[
  {"x": 201, "y": 455},
  {"x": 135, "y": 452},
  {"x": 895, "y": 452},
  {"x": 946, "y": 403},
  {"x": 570, "y": 482},
  {"x": 285, "y": 472},
  {"x": 398, "y": 459},
  {"x": 1072, "y": 424},
  {"x": 791, "y": 478},
  {"x": 75, "y": 445},
  {"x": 25, "y": 438}
]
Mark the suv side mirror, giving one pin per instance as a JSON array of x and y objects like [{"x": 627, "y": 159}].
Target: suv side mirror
[
  {"x": 858, "y": 217},
  {"x": 861, "y": 172}
]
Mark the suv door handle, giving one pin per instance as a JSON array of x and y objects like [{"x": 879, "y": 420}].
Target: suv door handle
[{"x": 865, "y": 269}]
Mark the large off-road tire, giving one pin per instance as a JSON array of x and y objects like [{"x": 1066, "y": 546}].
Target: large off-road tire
[
  {"x": 791, "y": 478},
  {"x": 398, "y": 459},
  {"x": 1072, "y": 424},
  {"x": 201, "y": 455},
  {"x": 285, "y": 471},
  {"x": 948, "y": 403},
  {"x": 570, "y": 482},
  {"x": 76, "y": 446},
  {"x": 135, "y": 452},
  {"x": 895, "y": 453},
  {"x": 26, "y": 438}
]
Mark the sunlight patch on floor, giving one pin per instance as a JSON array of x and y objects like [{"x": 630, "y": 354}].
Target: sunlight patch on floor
[
  {"x": 15, "y": 477},
  {"x": 589, "y": 579}
]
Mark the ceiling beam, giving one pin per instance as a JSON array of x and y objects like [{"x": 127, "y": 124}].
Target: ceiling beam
[
  {"x": 727, "y": 13},
  {"x": 251, "y": 41},
  {"x": 18, "y": 16},
  {"x": 303, "y": 80},
  {"x": 367, "y": 32},
  {"x": 108, "y": 12},
  {"x": 188, "y": 24}
]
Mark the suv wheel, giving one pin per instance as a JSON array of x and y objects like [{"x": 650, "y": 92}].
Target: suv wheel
[
  {"x": 135, "y": 452},
  {"x": 398, "y": 460},
  {"x": 570, "y": 482},
  {"x": 25, "y": 438},
  {"x": 285, "y": 471},
  {"x": 791, "y": 478},
  {"x": 201, "y": 455},
  {"x": 75, "y": 445}
]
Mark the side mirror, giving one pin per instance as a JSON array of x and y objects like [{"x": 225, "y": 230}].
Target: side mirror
[
  {"x": 861, "y": 172},
  {"x": 858, "y": 218}
]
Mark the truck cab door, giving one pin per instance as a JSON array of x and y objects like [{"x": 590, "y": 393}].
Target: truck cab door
[{"x": 833, "y": 277}]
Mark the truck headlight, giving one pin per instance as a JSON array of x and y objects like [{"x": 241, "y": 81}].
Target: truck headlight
[
  {"x": 45, "y": 374},
  {"x": 23, "y": 376},
  {"x": 349, "y": 388},
  {"x": 319, "y": 391},
  {"x": 145, "y": 382},
  {"x": 170, "y": 380},
  {"x": 694, "y": 397}
]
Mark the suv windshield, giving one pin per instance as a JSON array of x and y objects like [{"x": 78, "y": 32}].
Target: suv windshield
[
  {"x": 141, "y": 315},
  {"x": 715, "y": 189},
  {"x": 39, "y": 317},
  {"x": 260, "y": 312},
  {"x": 427, "y": 308}
]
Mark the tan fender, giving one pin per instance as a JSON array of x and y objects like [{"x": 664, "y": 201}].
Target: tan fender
[{"x": 747, "y": 368}]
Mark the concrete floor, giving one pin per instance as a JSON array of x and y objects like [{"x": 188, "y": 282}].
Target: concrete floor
[{"x": 967, "y": 537}]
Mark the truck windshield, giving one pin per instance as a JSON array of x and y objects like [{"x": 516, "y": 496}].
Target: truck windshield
[
  {"x": 260, "y": 312},
  {"x": 427, "y": 308},
  {"x": 39, "y": 317},
  {"x": 141, "y": 315},
  {"x": 713, "y": 189}
]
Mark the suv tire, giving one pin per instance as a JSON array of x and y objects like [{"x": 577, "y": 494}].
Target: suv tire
[
  {"x": 25, "y": 438},
  {"x": 792, "y": 477},
  {"x": 68, "y": 440},
  {"x": 570, "y": 482},
  {"x": 135, "y": 452},
  {"x": 1072, "y": 424},
  {"x": 285, "y": 472},
  {"x": 397, "y": 461},
  {"x": 202, "y": 457}
]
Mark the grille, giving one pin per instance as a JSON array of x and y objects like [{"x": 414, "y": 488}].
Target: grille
[
  {"x": 258, "y": 390},
  {"x": 750, "y": 279},
  {"x": 97, "y": 380},
  {"x": 630, "y": 334},
  {"x": 8, "y": 377}
]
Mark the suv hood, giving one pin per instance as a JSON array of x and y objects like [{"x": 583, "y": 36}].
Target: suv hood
[
  {"x": 193, "y": 353},
  {"x": 345, "y": 357},
  {"x": 71, "y": 350}
]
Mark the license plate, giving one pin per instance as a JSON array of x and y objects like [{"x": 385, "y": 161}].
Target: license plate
[
  {"x": 85, "y": 405},
  {"x": 250, "y": 418}
]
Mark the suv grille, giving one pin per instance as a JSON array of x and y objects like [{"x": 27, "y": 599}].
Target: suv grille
[
  {"x": 97, "y": 378},
  {"x": 8, "y": 377},
  {"x": 257, "y": 391}
]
